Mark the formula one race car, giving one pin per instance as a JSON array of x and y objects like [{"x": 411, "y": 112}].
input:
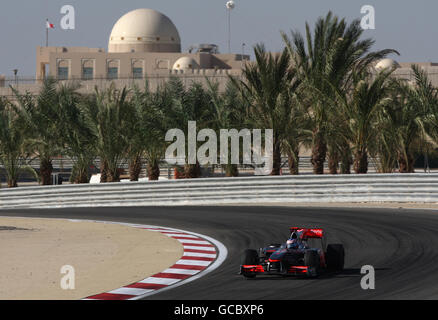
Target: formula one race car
[{"x": 305, "y": 253}]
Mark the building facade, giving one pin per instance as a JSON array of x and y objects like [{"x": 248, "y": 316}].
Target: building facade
[{"x": 145, "y": 44}]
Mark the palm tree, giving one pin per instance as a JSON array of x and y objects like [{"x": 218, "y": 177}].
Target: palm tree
[
  {"x": 228, "y": 112},
  {"x": 106, "y": 113},
  {"x": 150, "y": 127},
  {"x": 297, "y": 131},
  {"x": 325, "y": 60},
  {"x": 12, "y": 140},
  {"x": 155, "y": 144},
  {"x": 384, "y": 150},
  {"x": 78, "y": 141},
  {"x": 339, "y": 159},
  {"x": 43, "y": 125},
  {"x": 196, "y": 107},
  {"x": 362, "y": 107},
  {"x": 188, "y": 104},
  {"x": 267, "y": 85},
  {"x": 411, "y": 117},
  {"x": 136, "y": 131}
]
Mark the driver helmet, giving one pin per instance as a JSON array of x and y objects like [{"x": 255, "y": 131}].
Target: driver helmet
[{"x": 293, "y": 241}]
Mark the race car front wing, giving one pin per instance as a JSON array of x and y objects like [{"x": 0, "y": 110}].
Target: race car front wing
[{"x": 259, "y": 269}]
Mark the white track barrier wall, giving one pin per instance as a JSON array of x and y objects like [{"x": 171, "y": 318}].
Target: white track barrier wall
[{"x": 421, "y": 188}]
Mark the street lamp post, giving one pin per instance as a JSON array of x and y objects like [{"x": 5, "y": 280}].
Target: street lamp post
[
  {"x": 15, "y": 76},
  {"x": 243, "y": 54},
  {"x": 230, "y": 6}
]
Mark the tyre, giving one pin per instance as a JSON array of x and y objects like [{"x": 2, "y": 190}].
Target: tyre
[
  {"x": 335, "y": 257},
  {"x": 312, "y": 261},
  {"x": 250, "y": 258}
]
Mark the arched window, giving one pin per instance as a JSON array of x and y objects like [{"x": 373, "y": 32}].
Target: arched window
[
  {"x": 113, "y": 69},
  {"x": 63, "y": 69},
  {"x": 88, "y": 69},
  {"x": 162, "y": 64},
  {"x": 137, "y": 69}
]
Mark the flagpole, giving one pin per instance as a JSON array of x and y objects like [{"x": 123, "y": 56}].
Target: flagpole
[{"x": 47, "y": 33}]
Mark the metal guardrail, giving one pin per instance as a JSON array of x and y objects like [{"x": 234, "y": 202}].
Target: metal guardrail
[
  {"x": 405, "y": 188},
  {"x": 66, "y": 163}
]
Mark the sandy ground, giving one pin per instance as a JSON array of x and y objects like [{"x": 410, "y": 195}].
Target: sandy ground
[{"x": 104, "y": 257}]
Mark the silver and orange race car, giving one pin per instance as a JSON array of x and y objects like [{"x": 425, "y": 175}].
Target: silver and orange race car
[{"x": 304, "y": 253}]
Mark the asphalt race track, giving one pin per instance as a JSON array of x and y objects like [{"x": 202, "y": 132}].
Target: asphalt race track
[{"x": 400, "y": 244}]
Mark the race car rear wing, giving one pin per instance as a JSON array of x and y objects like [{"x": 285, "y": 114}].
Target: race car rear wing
[{"x": 308, "y": 233}]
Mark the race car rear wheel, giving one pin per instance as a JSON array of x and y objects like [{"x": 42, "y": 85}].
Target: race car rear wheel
[
  {"x": 250, "y": 257},
  {"x": 311, "y": 260},
  {"x": 335, "y": 257}
]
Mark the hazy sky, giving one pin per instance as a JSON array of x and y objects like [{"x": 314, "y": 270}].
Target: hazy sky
[{"x": 406, "y": 25}]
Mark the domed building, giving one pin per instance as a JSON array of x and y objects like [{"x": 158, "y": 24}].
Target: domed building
[
  {"x": 144, "y": 30},
  {"x": 185, "y": 63},
  {"x": 386, "y": 64},
  {"x": 146, "y": 44},
  {"x": 143, "y": 43}
]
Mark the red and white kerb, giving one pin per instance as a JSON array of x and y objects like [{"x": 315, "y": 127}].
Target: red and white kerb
[{"x": 199, "y": 254}]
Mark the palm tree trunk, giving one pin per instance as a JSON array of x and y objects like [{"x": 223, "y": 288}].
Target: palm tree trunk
[
  {"x": 82, "y": 177},
  {"x": 113, "y": 174},
  {"x": 80, "y": 173},
  {"x": 231, "y": 170},
  {"x": 12, "y": 169},
  {"x": 387, "y": 163},
  {"x": 346, "y": 160},
  {"x": 135, "y": 167},
  {"x": 411, "y": 163},
  {"x": 346, "y": 166},
  {"x": 12, "y": 183},
  {"x": 402, "y": 164},
  {"x": 319, "y": 152},
  {"x": 103, "y": 171},
  {"x": 333, "y": 162},
  {"x": 46, "y": 169},
  {"x": 293, "y": 160},
  {"x": 406, "y": 164},
  {"x": 276, "y": 159},
  {"x": 361, "y": 162},
  {"x": 192, "y": 171},
  {"x": 153, "y": 170}
]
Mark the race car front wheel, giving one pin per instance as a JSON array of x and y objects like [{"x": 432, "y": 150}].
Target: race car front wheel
[{"x": 250, "y": 258}]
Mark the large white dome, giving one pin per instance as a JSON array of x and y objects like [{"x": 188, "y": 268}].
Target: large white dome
[{"x": 144, "y": 30}]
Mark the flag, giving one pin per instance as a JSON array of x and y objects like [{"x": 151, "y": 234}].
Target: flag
[{"x": 48, "y": 27}]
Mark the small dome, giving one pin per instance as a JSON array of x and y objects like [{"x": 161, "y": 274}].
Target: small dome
[
  {"x": 185, "y": 63},
  {"x": 144, "y": 30},
  {"x": 386, "y": 64}
]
